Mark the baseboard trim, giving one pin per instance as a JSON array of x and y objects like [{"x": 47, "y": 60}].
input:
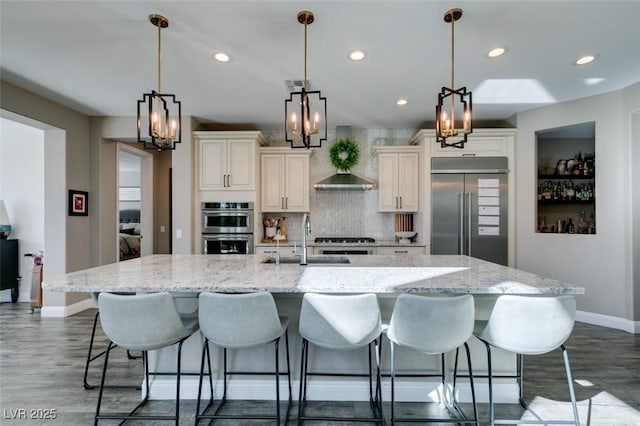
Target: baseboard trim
[
  {"x": 609, "y": 321},
  {"x": 65, "y": 311},
  {"x": 505, "y": 391}
]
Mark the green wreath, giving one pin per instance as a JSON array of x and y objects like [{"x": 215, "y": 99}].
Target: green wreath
[{"x": 337, "y": 154}]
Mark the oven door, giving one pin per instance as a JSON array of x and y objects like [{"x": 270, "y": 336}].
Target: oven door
[
  {"x": 227, "y": 244},
  {"x": 227, "y": 222}
]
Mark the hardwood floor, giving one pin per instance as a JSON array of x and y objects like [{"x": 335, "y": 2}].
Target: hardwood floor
[{"x": 42, "y": 362}]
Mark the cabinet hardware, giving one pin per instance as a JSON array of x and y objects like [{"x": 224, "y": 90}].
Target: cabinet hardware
[
  {"x": 400, "y": 202},
  {"x": 401, "y": 251}
]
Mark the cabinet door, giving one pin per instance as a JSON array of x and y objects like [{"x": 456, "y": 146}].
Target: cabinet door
[
  {"x": 477, "y": 145},
  {"x": 241, "y": 165},
  {"x": 408, "y": 182},
  {"x": 388, "y": 183},
  {"x": 297, "y": 183},
  {"x": 272, "y": 182},
  {"x": 213, "y": 164}
]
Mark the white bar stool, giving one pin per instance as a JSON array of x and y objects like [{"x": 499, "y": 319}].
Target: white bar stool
[
  {"x": 240, "y": 321},
  {"x": 343, "y": 323},
  {"x": 142, "y": 322},
  {"x": 92, "y": 357},
  {"x": 433, "y": 325},
  {"x": 529, "y": 325}
]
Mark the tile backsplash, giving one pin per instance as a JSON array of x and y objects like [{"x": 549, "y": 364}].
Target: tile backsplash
[{"x": 346, "y": 213}]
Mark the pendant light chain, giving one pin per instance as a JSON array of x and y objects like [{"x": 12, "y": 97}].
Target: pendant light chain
[
  {"x": 305, "y": 56},
  {"x": 452, "y": 70},
  {"x": 159, "y": 56}
]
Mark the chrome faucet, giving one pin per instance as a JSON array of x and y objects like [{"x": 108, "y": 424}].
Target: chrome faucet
[{"x": 306, "y": 230}]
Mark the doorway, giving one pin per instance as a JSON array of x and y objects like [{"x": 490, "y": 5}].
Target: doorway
[{"x": 135, "y": 203}]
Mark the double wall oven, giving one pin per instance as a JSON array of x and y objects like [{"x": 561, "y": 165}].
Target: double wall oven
[{"x": 227, "y": 228}]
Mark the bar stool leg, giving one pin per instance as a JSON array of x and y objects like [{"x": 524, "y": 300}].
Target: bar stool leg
[
  {"x": 393, "y": 382},
  {"x": 490, "y": 381},
  {"x": 567, "y": 367},
  {"x": 303, "y": 379}
]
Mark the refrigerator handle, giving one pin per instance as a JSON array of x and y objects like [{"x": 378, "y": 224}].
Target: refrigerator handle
[
  {"x": 461, "y": 217},
  {"x": 469, "y": 229}
]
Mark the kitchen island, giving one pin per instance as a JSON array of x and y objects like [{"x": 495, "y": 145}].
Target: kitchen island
[{"x": 385, "y": 275}]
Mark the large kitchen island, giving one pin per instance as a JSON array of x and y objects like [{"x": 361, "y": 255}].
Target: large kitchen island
[{"x": 385, "y": 275}]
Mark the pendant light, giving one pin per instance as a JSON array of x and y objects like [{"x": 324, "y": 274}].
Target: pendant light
[
  {"x": 159, "y": 112},
  {"x": 306, "y": 125},
  {"x": 455, "y": 123}
]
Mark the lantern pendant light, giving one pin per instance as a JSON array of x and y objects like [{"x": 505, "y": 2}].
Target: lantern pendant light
[
  {"x": 454, "y": 114},
  {"x": 159, "y": 112},
  {"x": 306, "y": 124}
]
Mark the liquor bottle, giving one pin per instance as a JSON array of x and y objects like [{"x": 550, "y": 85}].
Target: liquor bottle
[
  {"x": 571, "y": 193},
  {"x": 570, "y": 227},
  {"x": 591, "y": 224},
  {"x": 582, "y": 223}
]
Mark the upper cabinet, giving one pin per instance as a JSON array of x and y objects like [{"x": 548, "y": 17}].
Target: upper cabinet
[
  {"x": 285, "y": 180},
  {"x": 227, "y": 160},
  {"x": 398, "y": 179},
  {"x": 480, "y": 143}
]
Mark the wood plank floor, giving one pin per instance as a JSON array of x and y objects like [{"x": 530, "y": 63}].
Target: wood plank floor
[{"x": 42, "y": 362}]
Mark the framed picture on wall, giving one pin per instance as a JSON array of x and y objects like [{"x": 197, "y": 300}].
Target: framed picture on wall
[{"x": 78, "y": 203}]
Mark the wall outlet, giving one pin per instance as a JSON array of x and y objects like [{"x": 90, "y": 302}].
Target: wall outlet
[
  {"x": 178, "y": 233},
  {"x": 161, "y": 228}
]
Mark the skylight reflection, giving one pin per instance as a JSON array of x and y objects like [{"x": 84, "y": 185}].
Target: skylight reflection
[{"x": 512, "y": 91}]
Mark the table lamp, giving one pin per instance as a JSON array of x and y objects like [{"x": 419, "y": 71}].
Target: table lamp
[{"x": 5, "y": 225}]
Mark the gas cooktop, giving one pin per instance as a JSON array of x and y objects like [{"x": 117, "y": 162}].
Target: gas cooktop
[{"x": 345, "y": 240}]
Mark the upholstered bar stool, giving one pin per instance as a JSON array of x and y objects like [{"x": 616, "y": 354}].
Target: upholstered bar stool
[
  {"x": 142, "y": 322},
  {"x": 92, "y": 357},
  {"x": 433, "y": 326},
  {"x": 341, "y": 323},
  {"x": 240, "y": 321},
  {"x": 528, "y": 325}
]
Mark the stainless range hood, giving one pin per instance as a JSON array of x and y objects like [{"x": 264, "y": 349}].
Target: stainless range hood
[{"x": 345, "y": 181}]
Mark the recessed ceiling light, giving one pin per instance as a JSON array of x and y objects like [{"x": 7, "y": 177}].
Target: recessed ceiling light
[
  {"x": 356, "y": 55},
  {"x": 498, "y": 51},
  {"x": 586, "y": 59},
  {"x": 401, "y": 102},
  {"x": 221, "y": 57}
]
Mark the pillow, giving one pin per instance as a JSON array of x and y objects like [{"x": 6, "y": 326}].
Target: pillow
[{"x": 127, "y": 231}]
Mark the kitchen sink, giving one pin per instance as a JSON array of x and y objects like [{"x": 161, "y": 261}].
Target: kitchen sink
[{"x": 310, "y": 260}]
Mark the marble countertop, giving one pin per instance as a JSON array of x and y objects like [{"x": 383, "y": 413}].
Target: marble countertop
[{"x": 374, "y": 273}]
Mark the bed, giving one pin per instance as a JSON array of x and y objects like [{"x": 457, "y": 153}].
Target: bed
[{"x": 129, "y": 234}]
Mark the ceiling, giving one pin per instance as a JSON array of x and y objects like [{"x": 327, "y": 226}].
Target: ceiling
[{"x": 99, "y": 57}]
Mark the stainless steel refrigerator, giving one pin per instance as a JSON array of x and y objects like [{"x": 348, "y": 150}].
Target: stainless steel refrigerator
[{"x": 469, "y": 207}]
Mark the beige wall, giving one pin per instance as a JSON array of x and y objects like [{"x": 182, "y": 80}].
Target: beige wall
[
  {"x": 77, "y": 176},
  {"x": 602, "y": 262}
]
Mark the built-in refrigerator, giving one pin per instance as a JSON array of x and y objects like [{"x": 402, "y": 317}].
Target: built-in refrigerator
[{"x": 469, "y": 207}]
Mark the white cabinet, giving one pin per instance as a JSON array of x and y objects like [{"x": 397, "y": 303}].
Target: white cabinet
[
  {"x": 285, "y": 180},
  {"x": 227, "y": 160},
  {"x": 401, "y": 250},
  {"x": 398, "y": 179},
  {"x": 480, "y": 143}
]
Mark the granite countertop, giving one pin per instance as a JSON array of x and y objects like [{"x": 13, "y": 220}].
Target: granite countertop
[
  {"x": 382, "y": 243},
  {"x": 375, "y": 273}
]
